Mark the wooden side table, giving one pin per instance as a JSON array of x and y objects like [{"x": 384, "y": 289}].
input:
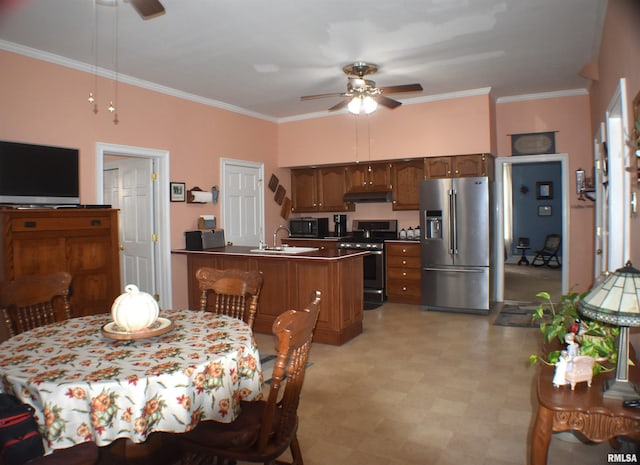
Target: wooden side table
[
  {"x": 523, "y": 258},
  {"x": 583, "y": 410}
]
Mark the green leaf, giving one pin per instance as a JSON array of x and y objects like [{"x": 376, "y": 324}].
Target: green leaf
[{"x": 544, "y": 295}]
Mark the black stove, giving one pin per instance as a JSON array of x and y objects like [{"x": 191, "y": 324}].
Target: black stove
[{"x": 370, "y": 235}]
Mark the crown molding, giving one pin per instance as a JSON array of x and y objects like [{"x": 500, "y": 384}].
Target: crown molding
[
  {"x": 105, "y": 73},
  {"x": 543, "y": 95}
]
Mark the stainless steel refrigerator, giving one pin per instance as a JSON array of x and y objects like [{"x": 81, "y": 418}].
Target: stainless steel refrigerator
[{"x": 455, "y": 220}]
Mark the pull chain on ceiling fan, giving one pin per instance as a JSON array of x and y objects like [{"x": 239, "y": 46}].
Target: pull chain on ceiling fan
[{"x": 362, "y": 95}]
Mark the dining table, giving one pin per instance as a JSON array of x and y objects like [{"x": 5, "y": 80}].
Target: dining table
[{"x": 90, "y": 381}]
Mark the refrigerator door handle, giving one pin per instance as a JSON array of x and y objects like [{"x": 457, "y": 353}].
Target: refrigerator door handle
[
  {"x": 455, "y": 270},
  {"x": 454, "y": 219},
  {"x": 452, "y": 230}
]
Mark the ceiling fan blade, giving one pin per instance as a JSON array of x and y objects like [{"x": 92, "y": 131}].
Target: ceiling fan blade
[
  {"x": 311, "y": 97},
  {"x": 404, "y": 88},
  {"x": 340, "y": 105},
  {"x": 386, "y": 101},
  {"x": 148, "y": 8}
]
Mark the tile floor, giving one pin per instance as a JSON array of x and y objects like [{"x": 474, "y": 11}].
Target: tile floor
[{"x": 426, "y": 388}]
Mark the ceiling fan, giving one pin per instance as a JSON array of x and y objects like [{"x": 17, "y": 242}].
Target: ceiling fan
[
  {"x": 146, "y": 8},
  {"x": 362, "y": 94}
]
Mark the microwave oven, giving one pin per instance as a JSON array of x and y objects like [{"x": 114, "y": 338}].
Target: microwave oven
[{"x": 309, "y": 227}]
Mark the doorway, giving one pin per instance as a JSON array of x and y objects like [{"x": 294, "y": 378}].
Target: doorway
[
  {"x": 135, "y": 175},
  {"x": 242, "y": 201},
  {"x": 503, "y": 217}
]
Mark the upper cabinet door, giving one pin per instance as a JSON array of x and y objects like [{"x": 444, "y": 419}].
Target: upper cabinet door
[
  {"x": 406, "y": 179},
  {"x": 304, "y": 188},
  {"x": 459, "y": 166},
  {"x": 369, "y": 177},
  {"x": 332, "y": 185},
  {"x": 438, "y": 167},
  {"x": 471, "y": 166}
]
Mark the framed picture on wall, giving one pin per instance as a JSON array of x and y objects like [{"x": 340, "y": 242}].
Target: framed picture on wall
[
  {"x": 177, "y": 191},
  {"x": 544, "y": 210},
  {"x": 544, "y": 190}
]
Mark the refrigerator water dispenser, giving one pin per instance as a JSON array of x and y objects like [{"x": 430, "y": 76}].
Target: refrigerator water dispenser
[{"x": 433, "y": 224}]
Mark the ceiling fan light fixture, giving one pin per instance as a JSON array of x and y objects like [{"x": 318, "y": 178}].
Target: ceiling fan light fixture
[{"x": 360, "y": 103}]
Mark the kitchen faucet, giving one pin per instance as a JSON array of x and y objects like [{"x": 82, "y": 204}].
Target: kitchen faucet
[{"x": 275, "y": 235}]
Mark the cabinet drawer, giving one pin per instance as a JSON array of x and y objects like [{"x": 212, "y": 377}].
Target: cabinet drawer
[
  {"x": 403, "y": 262},
  {"x": 403, "y": 288},
  {"x": 403, "y": 250},
  {"x": 59, "y": 224},
  {"x": 404, "y": 274}
]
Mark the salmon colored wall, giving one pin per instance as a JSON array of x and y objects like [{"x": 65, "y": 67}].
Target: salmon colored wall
[
  {"x": 443, "y": 127},
  {"x": 619, "y": 58},
  {"x": 569, "y": 116},
  {"x": 47, "y": 104}
]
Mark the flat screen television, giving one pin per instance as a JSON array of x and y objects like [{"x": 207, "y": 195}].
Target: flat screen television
[{"x": 38, "y": 174}]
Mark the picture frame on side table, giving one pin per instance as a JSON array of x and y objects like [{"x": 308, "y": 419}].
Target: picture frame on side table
[
  {"x": 544, "y": 190},
  {"x": 177, "y": 191}
]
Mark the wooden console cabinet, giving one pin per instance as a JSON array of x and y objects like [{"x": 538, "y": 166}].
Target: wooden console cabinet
[
  {"x": 83, "y": 242},
  {"x": 403, "y": 272}
]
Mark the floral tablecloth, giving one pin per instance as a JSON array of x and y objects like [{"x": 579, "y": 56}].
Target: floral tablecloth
[{"x": 87, "y": 387}]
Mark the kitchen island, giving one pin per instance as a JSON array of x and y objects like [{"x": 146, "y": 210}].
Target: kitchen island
[{"x": 289, "y": 280}]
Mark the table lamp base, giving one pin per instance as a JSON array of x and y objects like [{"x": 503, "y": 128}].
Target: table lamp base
[{"x": 620, "y": 389}]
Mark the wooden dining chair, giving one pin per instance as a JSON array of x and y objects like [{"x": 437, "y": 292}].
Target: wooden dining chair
[
  {"x": 265, "y": 429},
  {"x": 33, "y": 301},
  {"x": 230, "y": 292}
]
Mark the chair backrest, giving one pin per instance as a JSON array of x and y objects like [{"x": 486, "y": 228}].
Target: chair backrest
[
  {"x": 552, "y": 242},
  {"x": 231, "y": 292},
  {"x": 293, "y": 331},
  {"x": 33, "y": 301}
]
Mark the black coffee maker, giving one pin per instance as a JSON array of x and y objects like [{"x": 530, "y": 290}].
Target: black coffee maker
[{"x": 339, "y": 225}]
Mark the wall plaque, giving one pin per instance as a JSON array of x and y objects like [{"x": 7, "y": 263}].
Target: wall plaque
[{"x": 534, "y": 143}]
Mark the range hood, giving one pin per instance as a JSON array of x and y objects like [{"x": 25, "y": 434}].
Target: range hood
[{"x": 368, "y": 196}]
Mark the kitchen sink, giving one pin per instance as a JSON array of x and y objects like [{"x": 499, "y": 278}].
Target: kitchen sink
[{"x": 286, "y": 250}]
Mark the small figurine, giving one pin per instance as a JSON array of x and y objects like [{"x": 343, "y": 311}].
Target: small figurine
[
  {"x": 573, "y": 349},
  {"x": 561, "y": 369}
]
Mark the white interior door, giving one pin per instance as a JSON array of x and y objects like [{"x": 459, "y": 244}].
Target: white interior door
[
  {"x": 157, "y": 209},
  {"x": 129, "y": 180},
  {"x": 600, "y": 263},
  {"x": 619, "y": 183},
  {"x": 242, "y": 201}
]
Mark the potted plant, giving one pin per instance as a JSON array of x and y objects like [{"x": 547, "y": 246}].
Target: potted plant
[{"x": 596, "y": 339}]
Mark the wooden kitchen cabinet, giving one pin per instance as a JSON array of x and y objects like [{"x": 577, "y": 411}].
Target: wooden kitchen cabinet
[
  {"x": 406, "y": 177},
  {"x": 375, "y": 177},
  {"x": 460, "y": 166},
  {"x": 319, "y": 190},
  {"x": 403, "y": 272},
  {"x": 288, "y": 283},
  {"x": 83, "y": 242}
]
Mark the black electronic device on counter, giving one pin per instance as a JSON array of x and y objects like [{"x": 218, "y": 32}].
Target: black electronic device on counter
[
  {"x": 203, "y": 239},
  {"x": 309, "y": 227}
]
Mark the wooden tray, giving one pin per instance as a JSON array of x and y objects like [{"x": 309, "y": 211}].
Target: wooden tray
[{"x": 112, "y": 331}]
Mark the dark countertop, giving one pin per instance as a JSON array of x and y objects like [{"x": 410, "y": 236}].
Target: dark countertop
[{"x": 246, "y": 250}]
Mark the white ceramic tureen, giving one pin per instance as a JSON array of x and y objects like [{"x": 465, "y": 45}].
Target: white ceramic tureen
[{"x": 134, "y": 310}]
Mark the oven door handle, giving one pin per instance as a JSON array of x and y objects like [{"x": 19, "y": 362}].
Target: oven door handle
[{"x": 374, "y": 252}]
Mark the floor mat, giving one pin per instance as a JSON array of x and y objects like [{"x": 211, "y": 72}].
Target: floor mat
[{"x": 517, "y": 316}]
